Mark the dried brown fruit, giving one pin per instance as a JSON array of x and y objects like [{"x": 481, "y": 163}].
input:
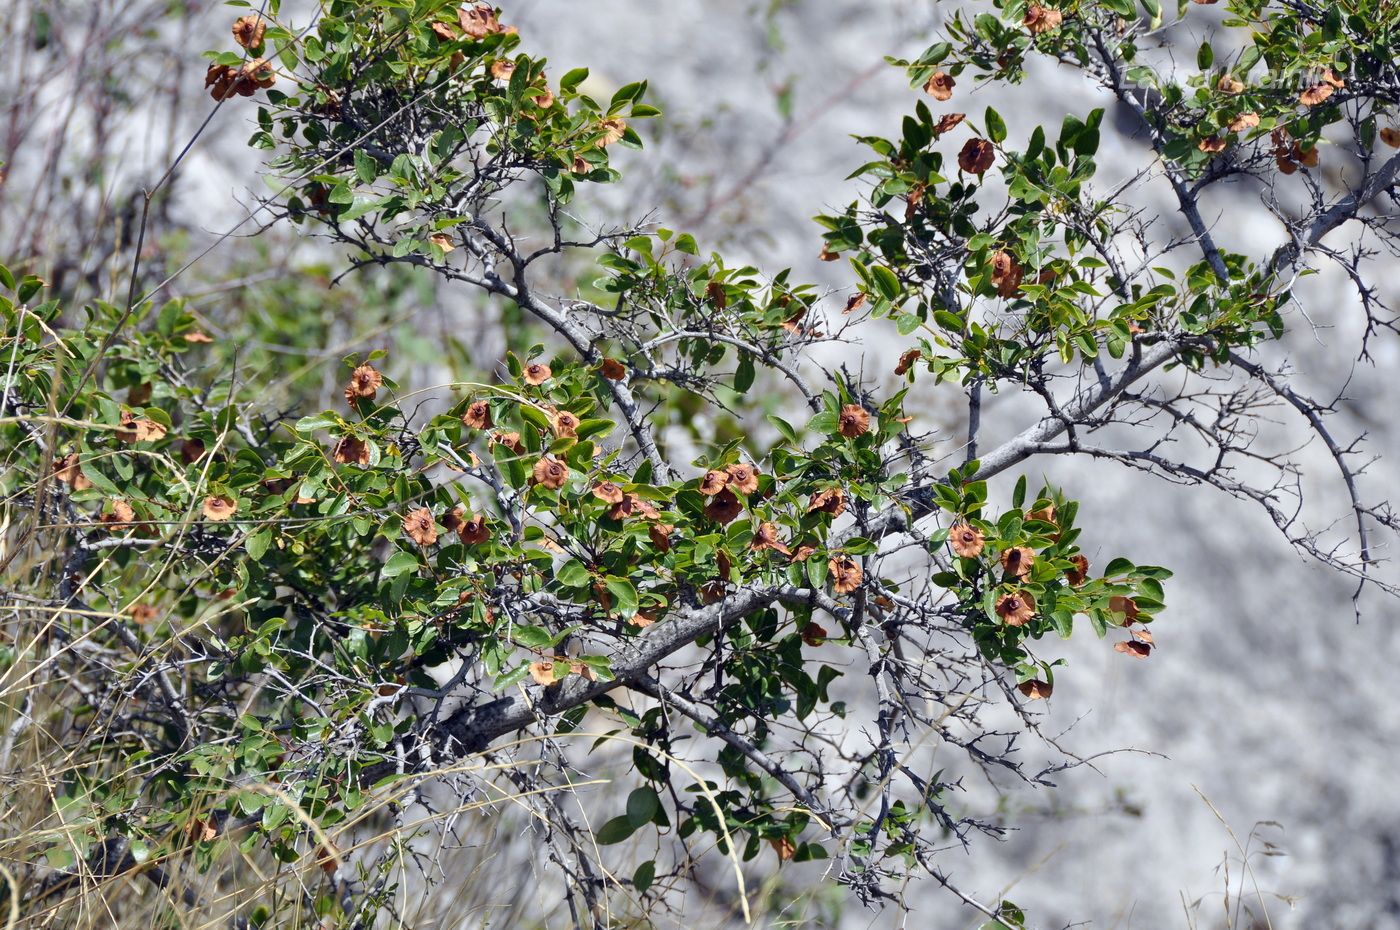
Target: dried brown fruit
[
  {"x": 1244, "y": 122},
  {"x": 479, "y": 21},
  {"x": 660, "y": 535},
  {"x": 742, "y": 478},
  {"x": 853, "y": 421},
  {"x": 454, "y": 518},
  {"x": 947, "y": 121},
  {"x": 766, "y": 537},
  {"x": 976, "y": 156},
  {"x": 1229, "y": 84},
  {"x": 191, "y": 451},
  {"x": 1315, "y": 95},
  {"x": 608, "y": 492},
  {"x": 364, "y": 382},
  {"x": 1134, "y": 648},
  {"x": 551, "y": 473},
  {"x": 907, "y": 360},
  {"x": 510, "y": 440},
  {"x": 966, "y": 540},
  {"x": 1041, "y": 19},
  {"x": 565, "y": 423},
  {"x": 537, "y": 373},
  {"x": 1015, "y": 609},
  {"x": 218, "y": 80},
  {"x": 1211, "y": 144},
  {"x": 846, "y": 575},
  {"x": 474, "y": 531},
  {"x": 70, "y": 471},
  {"x": 201, "y": 830},
  {"x": 1077, "y": 575},
  {"x": 420, "y": 526},
  {"x": 1017, "y": 561},
  {"x": 248, "y": 31},
  {"x": 1036, "y": 690},
  {"x": 351, "y": 451},
  {"x": 143, "y": 613},
  {"x": 626, "y": 507},
  {"x": 119, "y": 516},
  {"x": 613, "y": 131},
  {"x": 612, "y": 369},
  {"x": 445, "y": 32},
  {"x": 478, "y": 415},
  {"x": 1126, "y": 606},
  {"x": 258, "y": 73},
  {"x": 139, "y": 429},
  {"x": 940, "y": 85},
  {"x": 724, "y": 507},
  {"x": 715, "y": 480},
  {"x": 219, "y": 508},
  {"x": 830, "y": 500},
  {"x": 793, "y": 324},
  {"x": 224, "y": 81},
  {"x": 1006, "y": 274},
  {"x": 543, "y": 673}
]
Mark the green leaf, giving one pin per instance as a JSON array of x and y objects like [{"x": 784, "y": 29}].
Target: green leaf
[
  {"x": 535, "y": 417},
  {"x": 614, "y": 831},
  {"x": 644, "y": 876},
  {"x": 257, "y": 544},
  {"x": 744, "y": 374},
  {"x": 996, "y": 126},
  {"x": 532, "y": 637},
  {"x": 366, "y": 168},
  {"x": 570, "y": 82},
  {"x": 624, "y": 595},
  {"x": 399, "y": 563},
  {"x": 642, "y": 806},
  {"x": 1119, "y": 566},
  {"x": 784, "y": 428},
  {"x": 308, "y": 425},
  {"x": 573, "y": 574},
  {"x": 886, "y": 282}
]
